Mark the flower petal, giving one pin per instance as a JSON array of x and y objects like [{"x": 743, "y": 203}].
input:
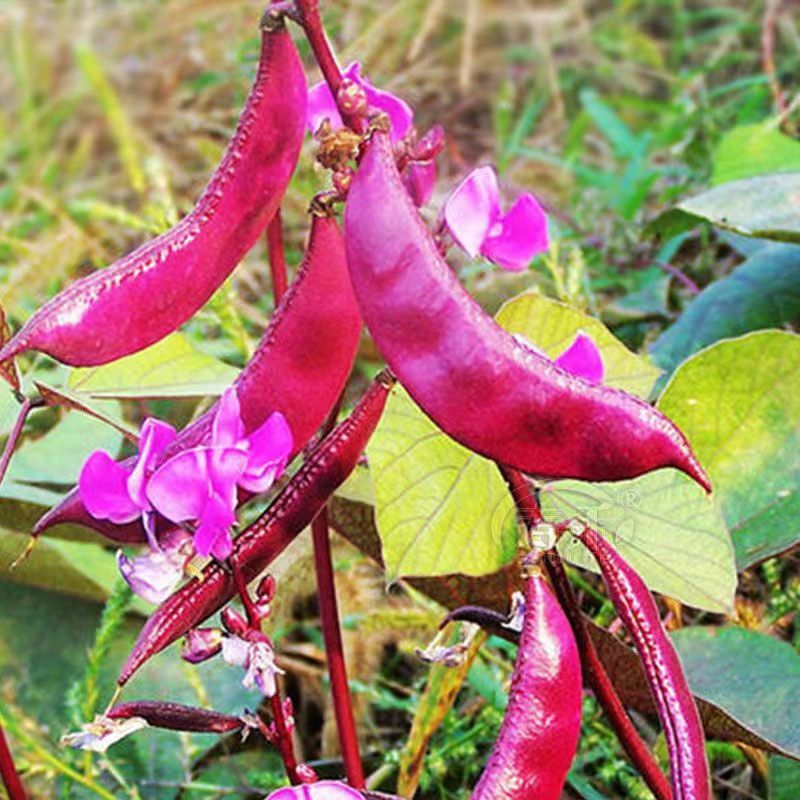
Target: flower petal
[
  {"x": 227, "y": 429},
  {"x": 400, "y": 113},
  {"x": 102, "y": 732},
  {"x": 320, "y": 790},
  {"x": 103, "y": 487},
  {"x": 269, "y": 448},
  {"x": 472, "y": 208},
  {"x": 518, "y": 236},
  {"x": 582, "y": 358},
  {"x": 419, "y": 178},
  {"x": 213, "y": 535},
  {"x": 322, "y": 106},
  {"x": 152, "y": 576},
  {"x": 181, "y": 487},
  {"x": 154, "y": 439}
]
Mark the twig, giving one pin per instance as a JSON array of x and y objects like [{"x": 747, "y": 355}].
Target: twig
[{"x": 13, "y": 437}]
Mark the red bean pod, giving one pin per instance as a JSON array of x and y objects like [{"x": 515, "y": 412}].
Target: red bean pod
[
  {"x": 300, "y": 367},
  {"x": 256, "y": 547},
  {"x": 676, "y": 707},
  {"x": 176, "y": 717},
  {"x": 474, "y": 379},
  {"x": 150, "y": 292},
  {"x": 539, "y": 734}
]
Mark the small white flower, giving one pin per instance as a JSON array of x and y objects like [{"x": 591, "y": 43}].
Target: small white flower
[{"x": 99, "y": 734}]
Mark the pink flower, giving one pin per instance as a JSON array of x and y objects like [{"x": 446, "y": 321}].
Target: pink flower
[
  {"x": 201, "y": 483},
  {"x": 154, "y": 575},
  {"x": 322, "y": 106},
  {"x": 321, "y": 790},
  {"x": 256, "y": 656},
  {"x": 201, "y": 644},
  {"x": 474, "y": 217},
  {"x": 581, "y": 357},
  {"x": 116, "y": 492}
]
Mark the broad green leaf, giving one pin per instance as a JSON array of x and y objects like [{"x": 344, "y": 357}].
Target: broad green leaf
[
  {"x": 171, "y": 368},
  {"x": 749, "y": 150},
  {"x": 57, "y": 457},
  {"x": 739, "y": 403},
  {"x": 552, "y": 326},
  {"x": 766, "y": 207},
  {"x": 81, "y": 569},
  {"x": 663, "y": 524},
  {"x": 763, "y": 292},
  {"x": 440, "y": 508},
  {"x": 783, "y": 779},
  {"x": 752, "y": 677}
]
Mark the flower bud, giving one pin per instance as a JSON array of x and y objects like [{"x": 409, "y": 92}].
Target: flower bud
[
  {"x": 266, "y": 589},
  {"x": 233, "y": 621},
  {"x": 430, "y": 145},
  {"x": 351, "y": 98},
  {"x": 201, "y": 644},
  {"x": 306, "y": 774}
]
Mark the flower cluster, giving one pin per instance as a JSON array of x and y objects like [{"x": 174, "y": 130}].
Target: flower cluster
[{"x": 198, "y": 485}]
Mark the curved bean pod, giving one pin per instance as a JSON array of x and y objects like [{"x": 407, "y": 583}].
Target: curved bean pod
[
  {"x": 676, "y": 707},
  {"x": 176, "y": 717},
  {"x": 300, "y": 367},
  {"x": 255, "y": 548},
  {"x": 539, "y": 734},
  {"x": 474, "y": 379},
  {"x": 150, "y": 292}
]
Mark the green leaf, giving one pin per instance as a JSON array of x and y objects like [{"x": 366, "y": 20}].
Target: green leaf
[
  {"x": 440, "y": 508},
  {"x": 81, "y": 569},
  {"x": 57, "y": 457},
  {"x": 749, "y": 150},
  {"x": 739, "y": 404},
  {"x": 753, "y": 678},
  {"x": 766, "y": 207},
  {"x": 763, "y": 292},
  {"x": 783, "y": 779},
  {"x": 663, "y": 524},
  {"x": 171, "y": 368},
  {"x": 552, "y": 326}
]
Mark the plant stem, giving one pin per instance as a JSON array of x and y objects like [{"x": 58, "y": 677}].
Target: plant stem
[
  {"x": 284, "y": 735},
  {"x": 8, "y": 771},
  {"x": 277, "y": 257},
  {"x": 593, "y": 669},
  {"x": 13, "y": 437},
  {"x": 334, "y": 651},
  {"x": 312, "y": 26}
]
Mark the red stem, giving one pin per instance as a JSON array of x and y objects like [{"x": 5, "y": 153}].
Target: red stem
[
  {"x": 593, "y": 668},
  {"x": 312, "y": 26},
  {"x": 13, "y": 437},
  {"x": 8, "y": 771},
  {"x": 334, "y": 650},
  {"x": 284, "y": 735},
  {"x": 277, "y": 257}
]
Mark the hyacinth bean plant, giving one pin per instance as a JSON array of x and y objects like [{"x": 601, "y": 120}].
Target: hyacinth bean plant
[{"x": 279, "y": 436}]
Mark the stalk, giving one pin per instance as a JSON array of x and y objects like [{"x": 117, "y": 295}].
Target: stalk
[
  {"x": 310, "y": 19},
  {"x": 593, "y": 668},
  {"x": 13, "y": 437},
  {"x": 334, "y": 651},
  {"x": 8, "y": 771},
  {"x": 284, "y": 735}
]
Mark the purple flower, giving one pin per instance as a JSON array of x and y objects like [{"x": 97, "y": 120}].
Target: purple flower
[
  {"x": 474, "y": 217},
  {"x": 321, "y": 790},
  {"x": 116, "y": 492},
  {"x": 201, "y": 644},
  {"x": 322, "y": 106},
  {"x": 581, "y": 357},
  {"x": 257, "y": 657},
  {"x": 99, "y": 734},
  {"x": 154, "y": 575},
  {"x": 201, "y": 483}
]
